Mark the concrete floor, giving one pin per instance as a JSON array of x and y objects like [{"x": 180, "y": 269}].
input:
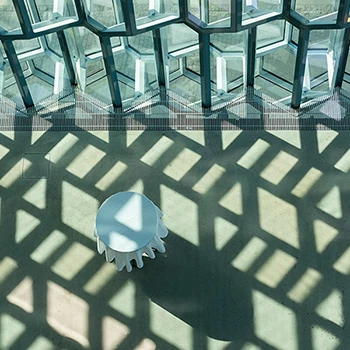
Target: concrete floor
[{"x": 258, "y": 252}]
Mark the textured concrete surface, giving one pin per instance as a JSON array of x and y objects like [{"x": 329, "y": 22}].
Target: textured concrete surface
[{"x": 258, "y": 253}]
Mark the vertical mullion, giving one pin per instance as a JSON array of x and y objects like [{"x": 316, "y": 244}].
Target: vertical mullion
[
  {"x": 251, "y": 54},
  {"x": 204, "y": 61},
  {"x": 343, "y": 57},
  {"x": 66, "y": 57},
  {"x": 300, "y": 64},
  {"x": 160, "y": 53},
  {"x": 111, "y": 71},
  {"x": 23, "y": 17}
]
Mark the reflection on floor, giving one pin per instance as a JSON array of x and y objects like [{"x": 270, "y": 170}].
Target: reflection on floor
[{"x": 258, "y": 252}]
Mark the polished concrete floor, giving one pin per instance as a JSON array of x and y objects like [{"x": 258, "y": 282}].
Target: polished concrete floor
[{"x": 258, "y": 252}]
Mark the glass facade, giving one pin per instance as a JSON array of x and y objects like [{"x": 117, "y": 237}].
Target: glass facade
[{"x": 205, "y": 51}]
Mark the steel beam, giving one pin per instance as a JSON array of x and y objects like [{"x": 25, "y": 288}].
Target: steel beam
[
  {"x": 299, "y": 72},
  {"x": 23, "y": 17},
  {"x": 67, "y": 57},
  {"x": 204, "y": 61},
  {"x": 18, "y": 73},
  {"x": 112, "y": 77},
  {"x": 250, "y": 56},
  {"x": 161, "y": 57},
  {"x": 343, "y": 57},
  {"x": 129, "y": 16}
]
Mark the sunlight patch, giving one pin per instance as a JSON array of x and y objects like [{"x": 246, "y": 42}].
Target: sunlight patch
[
  {"x": 331, "y": 203},
  {"x": 182, "y": 164},
  {"x": 138, "y": 186},
  {"x": 228, "y": 137},
  {"x": 274, "y": 323},
  {"x": 3, "y": 151},
  {"x": 278, "y": 218},
  {"x": 325, "y": 138},
  {"x": 332, "y": 308},
  {"x": 181, "y": 214},
  {"x": 22, "y": 295},
  {"x": 132, "y": 136},
  {"x": 113, "y": 333},
  {"x": 279, "y": 167},
  {"x": 36, "y": 195},
  {"x": 232, "y": 200},
  {"x": 322, "y": 339},
  {"x": 7, "y": 266},
  {"x": 78, "y": 209},
  {"x": 74, "y": 259},
  {"x": 197, "y": 136},
  {"x": 100, "y": 279},
  {"x": 10, "y": 330},
  {"x": 224, "y": 231},
  {"x": 67, "y": 314},
  {"x": 249, "y": 254},
  {"x": 305, "y": 285},
  {"x": 207, "y": 181},
  {"x": 290, "y": 136},
  {"x": 101, "y": 134},
  {"x": 324, "y": 235},
  {"x": 48, "y": 246},
  {"x": 157, "y": 150},
  {"x": 275, "y": 268},
  {"x": 63, "y": 147},
  {"x": 25, "y": 224},
  {"x": 342, "y": 265},
  {"x": 253, "y": 154},
  {"x": 343, "y": 164},
  {"x": 36, "y": 135},
  {"x": 146, "y": 344},
  {"x": 161, "y": 321},
  {"x": 304, "y": 185},
  {"x": 123, "y": 300},
  {"x": 111, "y": 176},
  {"x": 85, "y": 161},
  {"x": 42, "y": 343},
  {"x": 13, "y": 174}
]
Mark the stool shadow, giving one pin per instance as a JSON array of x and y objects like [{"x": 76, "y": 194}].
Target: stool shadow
[{"x": 199, "y": 288}]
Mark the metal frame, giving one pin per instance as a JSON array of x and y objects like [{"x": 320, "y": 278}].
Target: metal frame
[{"x": 66, "y": 29}]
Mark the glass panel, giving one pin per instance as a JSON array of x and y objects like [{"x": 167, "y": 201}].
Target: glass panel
[
  {"x": 89, "y": 41},
  {"x": 192, "y": 62},
  {"x": 323, "y": 8},
  {"x": 45, "y": 64},
  {"x": 270, "y": 33},
  {"x": 104, "y": 12},
  {"x": 100, "y": 90},
  {"x": 23, "y": 46},
  {"x": 149, "y": 12},
  {"x": 180, "y": 36},
  {"x": 93, "y": 67},
  {"x": 186, "y": 88},
  {"x": 227, "y": 42},
  {"x": 281, "y": 64},
  {"x": 319, "y": 39},
  {"x": 254, "y": 10},
  {"x": 39, "y": 89},
  {"x": 8, "y": 17},
  {"x": 142, "y": 43},
  {"x": 234, "y": 69},
  {"x": 219, "y": 10}
]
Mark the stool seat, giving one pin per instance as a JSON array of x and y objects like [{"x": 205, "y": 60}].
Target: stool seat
[{"x": 128, "y": 225}]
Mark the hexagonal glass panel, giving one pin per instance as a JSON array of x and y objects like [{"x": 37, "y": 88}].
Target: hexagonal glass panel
[
  {"x": 256, "y": 10},
  {"x": 154, "y": 12},
  {"x": 320, "y": 11},
  {"x": 142, "y": 43}
]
